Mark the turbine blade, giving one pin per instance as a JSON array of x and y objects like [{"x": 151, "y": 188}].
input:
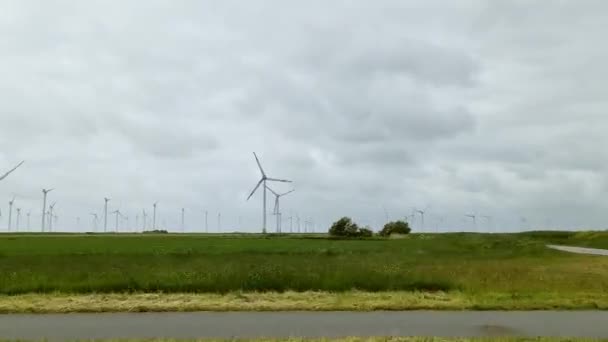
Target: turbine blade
[
  {"x": 259, "y": 165},
  {"x": 279, "y": 180},
  {"x": 267, "y": 187},
  {"x": 11, "y": 170},
  {"x": 256, "y": 188},
  {"x": 288, "y": 192},
  {"x": 276, "y": 205}
]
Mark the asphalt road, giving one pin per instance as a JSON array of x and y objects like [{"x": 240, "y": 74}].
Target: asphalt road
[
  {"x": 304, "y": 324},
  {"x": 580, "y": 250}
]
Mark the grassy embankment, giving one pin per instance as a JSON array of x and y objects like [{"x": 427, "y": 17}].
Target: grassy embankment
[{"x": 196, "y": 272}]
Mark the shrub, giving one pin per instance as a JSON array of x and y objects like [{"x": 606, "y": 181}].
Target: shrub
[
  {"x": 345, "y": 227},
  {"x": 397, "y": 227}
]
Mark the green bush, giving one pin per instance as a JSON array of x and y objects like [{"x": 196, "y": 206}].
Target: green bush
[
  {"x": 397, "y": 227},
  {"x": 345, "y": 227}
]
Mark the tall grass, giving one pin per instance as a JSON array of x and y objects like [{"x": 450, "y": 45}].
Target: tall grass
[{"x": 219, "y": 264}]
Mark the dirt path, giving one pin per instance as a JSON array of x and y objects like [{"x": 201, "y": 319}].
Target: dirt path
[{"x": 580, "y": 250}]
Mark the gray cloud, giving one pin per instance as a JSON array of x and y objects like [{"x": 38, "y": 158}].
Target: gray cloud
[{"x": 494, "y": 108}]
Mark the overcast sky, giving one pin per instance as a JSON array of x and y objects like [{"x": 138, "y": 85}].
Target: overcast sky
[{"x": 372, "y": 108}]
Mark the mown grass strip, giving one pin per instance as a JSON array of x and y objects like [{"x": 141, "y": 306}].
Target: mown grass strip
[{"x": 299, "y": 301}]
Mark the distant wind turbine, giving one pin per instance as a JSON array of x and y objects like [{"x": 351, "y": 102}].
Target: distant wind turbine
[
  {"x": 10, "y": 213},
  {"x": 277, "y": 211},
  {"x": 29, "y": 213},
  {"x": 51, "y": 207},
  {"x": 263, "y": 182},
  {"x": 95, "y": 221},
  {"x": 11, "y": 171},
  {"x": 44, "y": 194},
  {"x": 105, "y": 214},
  {"x": 118, "y": 214},
  {"x": 18, "y": 217},
  {"x": 145, "y": 217}
]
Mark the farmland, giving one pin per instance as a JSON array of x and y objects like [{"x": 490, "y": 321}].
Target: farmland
[{"x": 470, "y": 265}]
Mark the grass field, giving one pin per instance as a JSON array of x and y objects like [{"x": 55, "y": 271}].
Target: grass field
[{"x": 511, "y": 267}]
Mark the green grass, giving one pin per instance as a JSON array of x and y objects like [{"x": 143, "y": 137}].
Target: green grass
[{"x": 516, "y": 264}]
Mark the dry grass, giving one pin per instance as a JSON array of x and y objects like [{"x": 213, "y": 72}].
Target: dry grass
[{"x": 298, "y": 301}]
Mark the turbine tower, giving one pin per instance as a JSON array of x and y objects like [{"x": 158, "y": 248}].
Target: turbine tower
[
  {"x": 277, "y": 211},
  {"x": 154, "y": 216},
  {"x": 105, "y": 214},
  {"x": 44, "y": 193},
  {"x": 29, "y": 213},
  {"x": 263, "y": 182},
  {"x": 206, "y": 221},
  {"x": 183, "y": 223},
  {"x": 11, "y": 171}
]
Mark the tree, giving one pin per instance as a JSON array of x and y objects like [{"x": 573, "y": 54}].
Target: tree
[
  {"x": 396, "y": 227},
  {"x": 345, "y": 227}
]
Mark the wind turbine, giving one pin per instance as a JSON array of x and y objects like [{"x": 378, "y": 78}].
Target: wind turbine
[
  {"x": 263, "y": 182},
  {"x": 421, "y": 212},
  {"x": 117, "y": 212},
  {"x": 277, "y": 211},
  {"x": 474, "y": 217},
  {"x": 145, "y": 217},
  {"x": 44, "y": 193},
  {"x": 51, "y": 207},
  {"x": 95, "y": 219},
  {"x": 10, "y": 213},
  {"x": 29, "y": 213},
  {"x": 11, "y": 170},
  {"x": 18, "y": 217},
  {"x": 105, "y": 214}
]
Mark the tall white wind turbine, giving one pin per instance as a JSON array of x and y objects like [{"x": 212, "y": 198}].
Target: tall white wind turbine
[{"x": 263, "y": 183}]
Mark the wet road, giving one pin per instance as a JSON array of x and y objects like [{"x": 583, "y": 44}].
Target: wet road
[
  {"x": 303, "y": 324},
  {"x": 580, "y": 250}
]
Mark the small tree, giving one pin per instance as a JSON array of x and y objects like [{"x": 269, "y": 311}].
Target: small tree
[{"x": 397, "y": 227}]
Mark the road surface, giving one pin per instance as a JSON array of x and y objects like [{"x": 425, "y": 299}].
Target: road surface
[
  {"x": 580, "y": 250},
  {"x": 303, "y": 324}
]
